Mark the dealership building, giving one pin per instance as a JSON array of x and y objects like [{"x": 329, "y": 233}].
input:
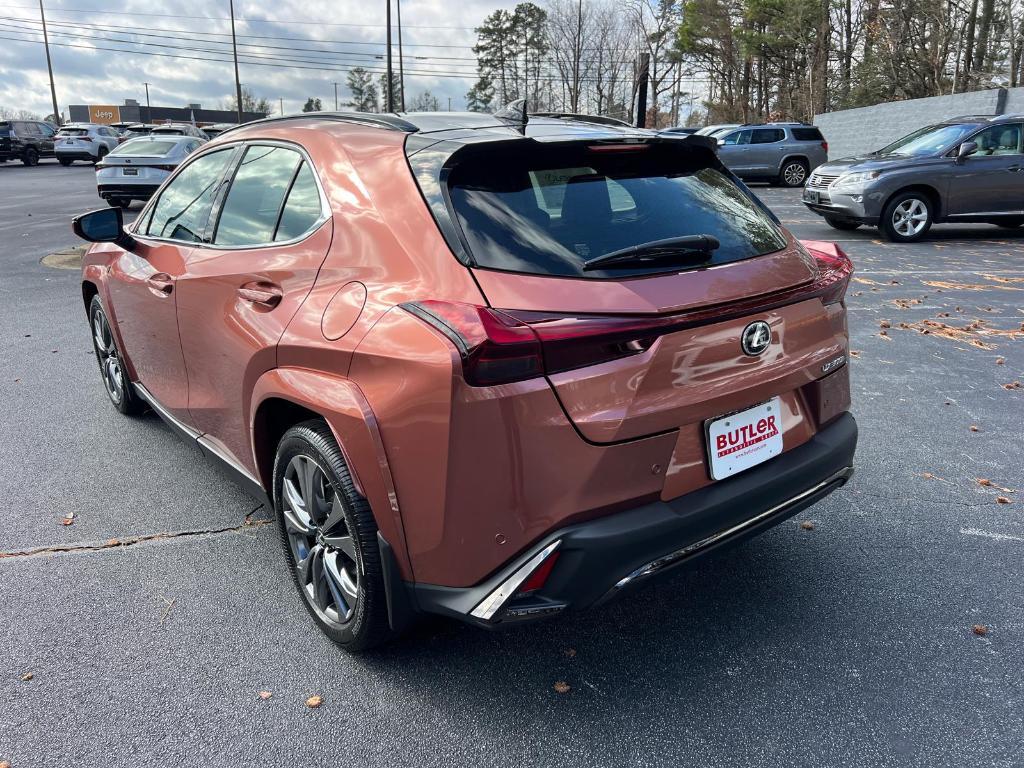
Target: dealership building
[{"x": 133, "y": 112}]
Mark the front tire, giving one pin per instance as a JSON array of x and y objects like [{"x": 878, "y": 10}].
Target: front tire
[
  {"x": 907, "y": 218},
  {"x": 330, "y": 538},
  {"x": 115, "y": 377},
  {"x": 793, "y": 173},
  {"x": 119, "y": 202},
  {"x": 31, "y": 157},
  {"x": 65, "y": 161},
  {"x": 844, "y": 225}
]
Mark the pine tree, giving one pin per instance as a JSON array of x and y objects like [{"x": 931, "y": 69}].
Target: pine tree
[{"x": 364, "y": 92}]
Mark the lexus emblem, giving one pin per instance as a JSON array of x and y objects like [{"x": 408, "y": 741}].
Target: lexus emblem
[{"x": 755, "y": 338}]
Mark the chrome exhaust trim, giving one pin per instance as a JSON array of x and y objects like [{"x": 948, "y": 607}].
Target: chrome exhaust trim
[{"x": 491, "y": 604}]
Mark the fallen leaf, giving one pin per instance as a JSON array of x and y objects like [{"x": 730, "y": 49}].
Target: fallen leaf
[
  {"x": 26, "y": 677},
  {"x": 4, "y": 764},
  {"x": 112, "y": 542},
  {"x": 1000, "y": 361},
  {"x": 68, "y": 519},
  {"x": 929, "y": 475},
  {"x": 979, "y": 629},
  {"x": 562, "y": 687},
  {"x": 569, "y": 652},
  {"x": 1002, "y": 500},
  {"x": 854, "y": 353},
  {"x": 314, "y": 701},
  {"x": 807, "y": 525},
  {"x": 265, "y": 695},
  {"x": 884, "y": 324},
  {"x": 985, "y": 482},
  {"x": 974, "y": 428}
]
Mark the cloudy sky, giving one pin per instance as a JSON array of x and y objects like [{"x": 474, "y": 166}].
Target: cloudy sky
[{"x": 293, "y": 49}]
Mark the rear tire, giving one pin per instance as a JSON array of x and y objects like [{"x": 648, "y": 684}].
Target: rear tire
[
  {"x": 330, "y": 539},
  {"x": 844, "y": 225},
  {"x": 793, "y": 173},
  {"x": 65, "y": 161},
  {"x": 100, "y": 154},
  {"x": 31, "y": 157},
  {"x": 907, "y": 217},
  {"x": 115, "y": 377}
]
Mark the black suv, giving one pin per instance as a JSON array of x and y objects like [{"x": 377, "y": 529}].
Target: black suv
[
  {"x": 967, "y": 169},
  {"x": 26, "y": 140}
]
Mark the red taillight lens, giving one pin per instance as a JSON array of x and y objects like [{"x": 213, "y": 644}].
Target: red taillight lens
[
  {"x": 84, "y": 138},
  {"x": 539, "y": 577},
  {"x": 507, "y": 345},
  {"x": 824, "y": 145},
  {"x": 495, "y": 348}
]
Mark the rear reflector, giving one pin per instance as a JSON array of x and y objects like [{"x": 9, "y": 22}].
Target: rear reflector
[
  {"x": 500, "y": 346},
  {"x": 540, "y": 576}
]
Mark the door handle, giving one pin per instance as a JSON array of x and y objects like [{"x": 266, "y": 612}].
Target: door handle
[
  {"x": 264, "y": 294},
  {"x": 161, "y": 284}
]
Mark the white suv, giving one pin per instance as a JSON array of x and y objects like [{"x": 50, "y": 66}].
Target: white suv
[{"x": 84, "y": 141}]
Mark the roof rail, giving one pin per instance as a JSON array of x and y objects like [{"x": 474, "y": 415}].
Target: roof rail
[{"x": 389, "y": 122}]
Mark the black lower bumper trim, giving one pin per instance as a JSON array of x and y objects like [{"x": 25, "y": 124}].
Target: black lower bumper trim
[{"x": 603, "y": 558}]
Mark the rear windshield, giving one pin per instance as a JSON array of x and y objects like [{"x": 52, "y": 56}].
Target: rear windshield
[
  {"x": 807, "y": 134},
  {"x": 546, "y": 211},
  {"x": 5, "y": 128},
  {"x": 73, "y": 132},
  {"x": 169, "y": 131},
  {"x": 149, "y": 148}
]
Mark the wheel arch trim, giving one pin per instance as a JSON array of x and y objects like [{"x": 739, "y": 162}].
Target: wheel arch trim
[{"x": 342, "y": 405}]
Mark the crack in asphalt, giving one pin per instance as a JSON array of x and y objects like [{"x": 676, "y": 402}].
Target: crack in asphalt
[{"x": 247, "y": 524}]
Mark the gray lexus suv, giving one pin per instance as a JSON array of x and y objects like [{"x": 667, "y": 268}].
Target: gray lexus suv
[
  {"x": 784, "y": 153},
  {"x": 968, "y": 169}
]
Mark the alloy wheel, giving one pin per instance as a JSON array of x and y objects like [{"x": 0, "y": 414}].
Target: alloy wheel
[
  {"x": 106, "y": 354},
  {"x": 321, "y": 543},
  {"x": 910, "y": 217},
  {"x": 794, "y": 174}
]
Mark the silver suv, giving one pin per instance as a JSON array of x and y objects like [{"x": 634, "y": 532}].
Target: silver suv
[
  {"x": 967, "y": 169},
  {"x": 779, "y": 152}
]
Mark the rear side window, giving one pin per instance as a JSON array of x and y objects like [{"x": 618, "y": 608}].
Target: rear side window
[
  {"x": 302, "y": 209},
  {"x": 807, "y": 134},
  {"x": 253, "y": 206},
  {"x": 183, "y": 209},
  {"x": 767, "y": 136},
  {"x": 547, "y": 210}
]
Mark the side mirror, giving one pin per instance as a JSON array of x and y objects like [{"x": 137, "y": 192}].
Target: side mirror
[
  {"x": 103, "y": 226},
  {"x": 967, "y": 148}
]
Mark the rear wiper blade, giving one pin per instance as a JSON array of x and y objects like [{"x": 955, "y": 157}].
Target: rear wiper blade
[{"x": 655, "y": 250}]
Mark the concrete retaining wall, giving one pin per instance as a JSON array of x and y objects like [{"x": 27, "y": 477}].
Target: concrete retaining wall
[{"x": 865, "y": 129}]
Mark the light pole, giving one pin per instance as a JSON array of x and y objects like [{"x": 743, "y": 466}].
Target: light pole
[
  {"x": 234, "y": 49},
  {"x": 282, "y": 106},
  {"x": 401, "y": 67},
  {"x": 389, "y": 97},
  {"x": 149, "y": 111},
  {"x": 335, "y": 97},
  {"x": 49, "y": 64}
]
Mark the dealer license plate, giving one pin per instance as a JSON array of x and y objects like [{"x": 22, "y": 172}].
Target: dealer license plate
[
  {"x": 130, "y": 171},
  {"x": 810, "y": 196},
  {"x": 743, "y": 440}
]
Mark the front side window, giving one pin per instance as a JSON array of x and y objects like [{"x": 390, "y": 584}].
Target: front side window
[
  {"x": 548, "y": 210},
  {"x": 737, "y": 137},
  {"x": 183, "y": 209},
  {"x": 253, "y": 205},
  {"x": 999, "y": 140}
]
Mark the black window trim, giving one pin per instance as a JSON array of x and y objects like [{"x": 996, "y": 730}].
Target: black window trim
[
  {"x": 224, "y": 184},
  {"x": 762, "y": 130}
]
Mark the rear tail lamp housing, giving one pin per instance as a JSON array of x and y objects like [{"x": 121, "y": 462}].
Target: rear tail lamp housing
[{"x": 501, "y": 346}]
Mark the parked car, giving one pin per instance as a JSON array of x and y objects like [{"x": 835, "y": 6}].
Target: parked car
[
  {"x": 84, "y": 141},
  {"x": 122, "y": 127},
  {"x": 709, "y": 130},
  {"x": 137, "y": 168},
  {"x": 25, "y": 140},
  {"x": 968, "y": 169},
  {"x": 475, "y": 373},
  {"x": 178, "y": 129},
  {"x": 680, "y": 130},
  {"x": 139, "y": 129},
  {"x": 212, "y": 131},
  {"x": 780, "y": 152},
  {"x": 599, "y": 119}
]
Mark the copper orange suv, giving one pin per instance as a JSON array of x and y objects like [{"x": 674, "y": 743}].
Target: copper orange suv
[{"x": 482, "y": 368}]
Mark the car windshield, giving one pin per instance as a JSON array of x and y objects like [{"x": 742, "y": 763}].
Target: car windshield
[
  {"x": 549, "y": 210},
  {"x": 147, "y": 147},
  {"x": 928, "y": 141}
]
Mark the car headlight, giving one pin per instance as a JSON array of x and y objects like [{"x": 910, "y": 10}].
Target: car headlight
[{"x": 857, "y": 179}]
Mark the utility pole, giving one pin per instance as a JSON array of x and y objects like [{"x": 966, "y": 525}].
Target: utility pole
[
  {"x": 389, "y": 97},
  {"x": 49, "y": 64},
  {"x": 335, "y": 97},
  {"x": 149, "y": 111},
  {"x": 641, "y": 99},
  {"x": 449, "y": 103},
  {"x": 282, "y": 106},
  {"x": 401, "y": 67},
  {"x": 234, "y": 49}
]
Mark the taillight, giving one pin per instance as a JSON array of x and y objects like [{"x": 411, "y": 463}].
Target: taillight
[
  {"x": 165, "y": 167},
  {"x": 539, "y": 577},
  {"x": 824, "y": 145},
  {"x": 84, "y": 138},
  {"x": 500, "y": 346}
]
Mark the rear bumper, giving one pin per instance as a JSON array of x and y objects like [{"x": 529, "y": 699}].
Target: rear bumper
[
  {"x": 604, "y": 558},
  {"x": 67, "y": 154},
  {"x": 133, "y": 191}
]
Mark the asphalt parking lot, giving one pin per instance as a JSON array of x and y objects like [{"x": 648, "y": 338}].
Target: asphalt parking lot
[{"x": 847, "y": 644}]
